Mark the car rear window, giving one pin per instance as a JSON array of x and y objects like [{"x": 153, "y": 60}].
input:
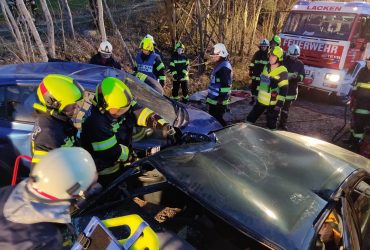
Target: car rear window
[{"x": 16, "y": 103}]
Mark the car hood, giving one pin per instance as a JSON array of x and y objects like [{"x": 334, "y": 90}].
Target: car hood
[
  {"x": 90, "y": 75},
  {"x": 269, "y": 185}
]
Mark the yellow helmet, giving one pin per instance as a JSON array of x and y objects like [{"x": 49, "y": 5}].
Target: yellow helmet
[
  {"x": 57, "y": 91},
  {"x": 278, "y": 52},
  {"x": 147, "y": 44},
  {"x": 113, "y": 93},
  {"x": 179, "y": 45},
  {"x": 147, "y": 239}
]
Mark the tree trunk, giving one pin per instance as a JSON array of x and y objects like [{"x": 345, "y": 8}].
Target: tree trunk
[
  {"x": 245, "y": 18},
  {"x": 258, "y": 6},
  {"x": 27, "y": 17},
  {"x": 101, "y": 21},
  {"x": 69, "y": 18},
  {"x": 50, "y": 28},
  {"x": 64, "y": 46},
  {"x": 116, "y": 30},
  {"x": 13, "y": 27},
  {"x": 201, "y": 42}
]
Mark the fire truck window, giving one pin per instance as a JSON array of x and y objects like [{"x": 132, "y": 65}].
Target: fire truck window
[{"x": 323, "y": 25}]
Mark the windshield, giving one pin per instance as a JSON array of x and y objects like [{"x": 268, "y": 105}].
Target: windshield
[{"x": 323, "y": 25}]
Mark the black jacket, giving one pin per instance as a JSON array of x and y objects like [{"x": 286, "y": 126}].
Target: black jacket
[
  {"x": 51, "y": 132},
  {"x": 258, "y": 62},
  {"x": 179, "y": 67},
  {"x": 294, "y": 67},
  {"x": 110, "y": 62},
  {"x": 108, "y": 134},
  {"x": 16, "y": 236},
  {"x": 360, "y": 93}
]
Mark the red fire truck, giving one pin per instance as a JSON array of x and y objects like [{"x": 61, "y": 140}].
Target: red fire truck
[{"x": 334, "y": 38}]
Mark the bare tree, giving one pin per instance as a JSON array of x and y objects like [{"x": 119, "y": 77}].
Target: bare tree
[
  {"x": 36, "y": 36},
  {"x": 14, "y": 29},
  {"x": 256, "y": 10},
  {"x": 69, "y": 17},
  {"x": 117, "y": 32},
  {"x": 101, "y": 20},
  {"x": 50, "y": 28}
]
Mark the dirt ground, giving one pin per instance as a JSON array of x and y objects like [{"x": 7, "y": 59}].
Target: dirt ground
[{"x": 311, "y": 115}]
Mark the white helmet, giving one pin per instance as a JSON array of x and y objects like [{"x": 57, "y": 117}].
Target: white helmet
[
  {"x": 105, "y": 48},
  {"x": 220, "y": 50},
  {"x": 150, "y": 37},
  {"x": 264, "y": 42},
  {"x": 63, "y": 174},
  {"x": 294, "y": 50}
]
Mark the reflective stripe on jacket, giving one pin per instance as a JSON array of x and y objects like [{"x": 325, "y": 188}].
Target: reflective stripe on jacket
[
  {"x": 220, "y": 84},
  {"x": 361, "y": 93},
  {"x": 179, "y": 67},
  {"x": 109, "y": 140},
  {"x": 295, "y": 68},
  {"x": 258, "y": 62},
  {"x": 50, "y": 131},
  {"x": 273, "y": 86}
]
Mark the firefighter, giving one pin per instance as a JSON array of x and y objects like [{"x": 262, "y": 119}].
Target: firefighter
[
  {"x": 275, "y": 41},
  {"x": 220, "y": 83},
  {"x": 156, "y": 50},
  {"x": 272, "y": 90},
  {"x": 149, "y": 62},
  {"x": 296, "y": 74},
  {"x": 259, "y": 61},
  {"x": 35, "y": 212},
  {"x": 360, "y": 106},
  {"x": 58, "y": 96},
  {"x": 104, "y": 56},
  {"x": 107, "y": 131},
  {"x": 179, "y": 70}
]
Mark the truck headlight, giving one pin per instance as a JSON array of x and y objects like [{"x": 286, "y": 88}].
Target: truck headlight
[{"x": 332, "y": 77}]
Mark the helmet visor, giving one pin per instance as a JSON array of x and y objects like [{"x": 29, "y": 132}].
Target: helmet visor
[{"x": 105, "y": 55}]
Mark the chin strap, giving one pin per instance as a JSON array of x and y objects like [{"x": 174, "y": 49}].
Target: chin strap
[{"x": 51, "y": 112}]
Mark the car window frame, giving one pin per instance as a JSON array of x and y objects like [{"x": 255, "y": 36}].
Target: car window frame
[
  {"x": 352, "y": 205},
  {"x": 350, "y": 226}
]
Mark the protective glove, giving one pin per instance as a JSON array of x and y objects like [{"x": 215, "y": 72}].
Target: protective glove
[
  {"x": 168, "y": 131},
  {"x": 292, "y": 75}
]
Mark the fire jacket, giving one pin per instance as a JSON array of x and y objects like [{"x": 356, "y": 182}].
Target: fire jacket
[
  {"x": 259, "y": 61},
  {"x": 109, "y": 140},
  {"x": 273, "y": 86},
  {"x": 151, "y": 65},
  {"x": 296, "y": 75},
  {"x": 361, "y": 93},
  {"x": 110, "y": 62},
  {"x": 51, "y": 130},
  {"x": 27, "y": 224},
  {"x": 179, "y": 67},
  {"x": 220, "y": 84}
]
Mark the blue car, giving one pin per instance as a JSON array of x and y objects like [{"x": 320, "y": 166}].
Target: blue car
[
  {"x": 18, "y": 84},
  {"x": 239, "y": 187}
]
